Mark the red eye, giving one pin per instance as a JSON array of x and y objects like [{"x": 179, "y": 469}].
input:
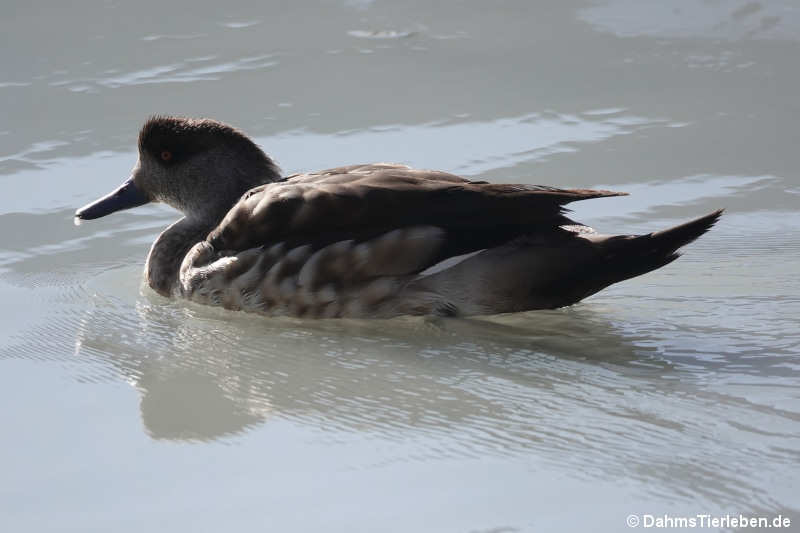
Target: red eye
[{"x": 166, "y": 155}]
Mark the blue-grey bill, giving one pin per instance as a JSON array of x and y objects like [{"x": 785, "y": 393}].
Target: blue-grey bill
[{"x": 125, "y": 196}]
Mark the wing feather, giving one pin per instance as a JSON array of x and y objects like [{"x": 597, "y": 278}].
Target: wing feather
[{"x": 359, "y": 202}]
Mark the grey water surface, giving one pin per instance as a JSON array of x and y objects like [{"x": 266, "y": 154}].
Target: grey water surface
[{"x": 673, "y": 394}]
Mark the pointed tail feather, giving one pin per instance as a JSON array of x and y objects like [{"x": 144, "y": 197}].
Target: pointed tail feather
[
  {"x": 630, "y": 256},
  {"x": 540, "y": 274},
  {"x": 675, "y": 237}
]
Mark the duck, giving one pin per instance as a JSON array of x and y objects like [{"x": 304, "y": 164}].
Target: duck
[{"x": 365, "y": 241}]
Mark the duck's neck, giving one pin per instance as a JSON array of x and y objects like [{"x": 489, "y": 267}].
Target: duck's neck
[{"x": 166, "y": 254}]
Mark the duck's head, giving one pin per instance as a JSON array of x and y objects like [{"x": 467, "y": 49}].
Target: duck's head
[{"x": 199, "y": 166}]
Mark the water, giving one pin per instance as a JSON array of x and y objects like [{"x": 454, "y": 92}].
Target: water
[{"x": 671, "y": 394}]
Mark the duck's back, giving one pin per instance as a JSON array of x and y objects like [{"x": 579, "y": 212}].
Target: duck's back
[{"x": 363, "y": 201}]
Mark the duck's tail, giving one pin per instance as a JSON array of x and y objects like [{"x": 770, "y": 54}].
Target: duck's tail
[
  {"x": 533, "y": 274},
  {"x": 625, "y": 257}
]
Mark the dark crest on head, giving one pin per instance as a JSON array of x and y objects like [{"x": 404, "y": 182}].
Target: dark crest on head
[{"x": 173, "y": 140}]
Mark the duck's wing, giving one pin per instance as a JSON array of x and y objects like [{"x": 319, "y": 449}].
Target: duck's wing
[
  {"x": 361, "y": 202},
  {"x": 333, "y": 175}
]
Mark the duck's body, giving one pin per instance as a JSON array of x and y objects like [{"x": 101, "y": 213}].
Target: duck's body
[{"x": 375, "y": 240}]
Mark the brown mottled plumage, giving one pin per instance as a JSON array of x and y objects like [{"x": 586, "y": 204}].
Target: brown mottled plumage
[{"x": 373, "y": 240}]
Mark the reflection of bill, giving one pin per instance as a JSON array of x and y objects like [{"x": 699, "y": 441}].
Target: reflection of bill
[
  {"x": 181, "y": 404},
  {"x": 206, "y": 373}
]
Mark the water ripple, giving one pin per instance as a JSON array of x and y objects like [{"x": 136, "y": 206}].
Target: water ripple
[{"x": 179, "y": 72}]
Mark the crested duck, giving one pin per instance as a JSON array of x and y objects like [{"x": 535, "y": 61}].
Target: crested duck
[{"x": 374, "y": 240}]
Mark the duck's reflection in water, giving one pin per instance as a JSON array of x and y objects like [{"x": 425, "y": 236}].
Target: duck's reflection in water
[
  {"x": 205, "y": 373},
  {"x": 568, "y": 387}
]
